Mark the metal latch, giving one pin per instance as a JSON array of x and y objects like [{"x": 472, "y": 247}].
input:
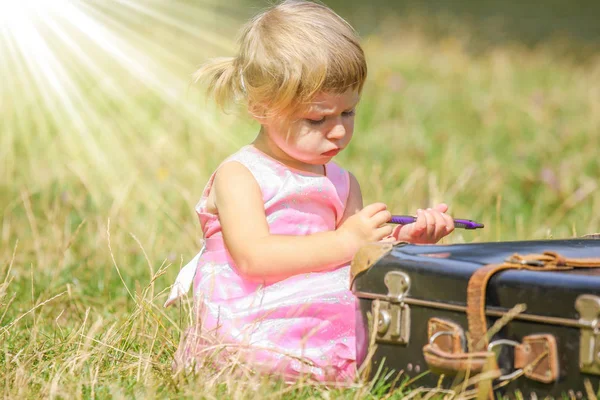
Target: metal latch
[
  {"x": 588, "y": 307},
  {"x": 392, "y": 314}
]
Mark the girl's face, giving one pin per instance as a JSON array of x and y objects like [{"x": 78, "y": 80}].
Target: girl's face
[{"x": 318, "y": 134}]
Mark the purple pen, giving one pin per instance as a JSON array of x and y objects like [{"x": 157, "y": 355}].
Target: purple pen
[{"x": 458, "y": 223}]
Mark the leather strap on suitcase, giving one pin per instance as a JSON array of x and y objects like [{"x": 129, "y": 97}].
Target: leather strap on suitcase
[{"x": 476, "y": 291}]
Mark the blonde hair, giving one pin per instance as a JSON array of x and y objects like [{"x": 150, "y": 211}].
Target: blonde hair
[{"x": 287, "y": 55}]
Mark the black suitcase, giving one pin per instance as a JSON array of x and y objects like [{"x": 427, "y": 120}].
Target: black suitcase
[{"x": 428, "y": 311}]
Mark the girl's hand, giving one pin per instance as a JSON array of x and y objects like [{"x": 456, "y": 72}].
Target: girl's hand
[
  {"x": 431, "y": 225},
  {"x": 367, "y": 225}
]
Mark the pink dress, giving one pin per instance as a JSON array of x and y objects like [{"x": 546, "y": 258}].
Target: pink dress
[{"x": 302, "y": 325}]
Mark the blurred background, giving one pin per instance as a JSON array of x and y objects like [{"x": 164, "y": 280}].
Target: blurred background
[{"x": 106, "y": 144}]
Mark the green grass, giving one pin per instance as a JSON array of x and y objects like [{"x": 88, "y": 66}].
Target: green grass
[{"x": 96, "y": 204}]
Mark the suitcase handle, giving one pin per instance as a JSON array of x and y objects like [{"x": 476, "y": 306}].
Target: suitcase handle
[
  {"x": 444, "y": 362},
  {"x": 536, "y": 358}
]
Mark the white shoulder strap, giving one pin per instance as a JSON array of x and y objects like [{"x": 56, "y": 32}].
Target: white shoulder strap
[{"x": 184, "y": 280}]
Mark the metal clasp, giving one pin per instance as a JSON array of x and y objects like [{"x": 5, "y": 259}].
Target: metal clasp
[
  {"x": 393, "y": 315},
  {"x": 398, "y": 284},
  {"x": 506, "y": 342},
  {"x": 531, "y": 263},
  {"x": 588, "y": 307},
  {"x": 438, "y": 334}
]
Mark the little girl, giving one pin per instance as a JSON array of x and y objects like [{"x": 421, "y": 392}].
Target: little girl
[{"x": 281, "y": 221}]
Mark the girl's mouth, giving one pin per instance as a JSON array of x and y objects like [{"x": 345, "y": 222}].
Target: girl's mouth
[{"x": 331, "y": 153}]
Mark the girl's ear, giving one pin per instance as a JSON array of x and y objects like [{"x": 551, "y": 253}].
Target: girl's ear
[{"x": 257, "y": 112}]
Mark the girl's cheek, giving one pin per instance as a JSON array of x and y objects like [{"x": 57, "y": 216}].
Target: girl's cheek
[{"x": 350, "y": 129}]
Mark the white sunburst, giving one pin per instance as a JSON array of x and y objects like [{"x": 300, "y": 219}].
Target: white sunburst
[{"x": 65, "y": 65}]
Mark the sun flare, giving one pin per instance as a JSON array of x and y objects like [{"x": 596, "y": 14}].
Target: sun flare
[{"x": 74, "y": 72}]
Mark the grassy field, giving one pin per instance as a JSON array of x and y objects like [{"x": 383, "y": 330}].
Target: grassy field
[{"x": 105, "y": 148}]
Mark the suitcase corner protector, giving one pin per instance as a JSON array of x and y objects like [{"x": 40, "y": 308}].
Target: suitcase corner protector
[{"x": 367, "y": 256}]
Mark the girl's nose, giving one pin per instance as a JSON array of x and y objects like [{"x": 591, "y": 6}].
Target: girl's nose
[{"x": 337, "y": 132}]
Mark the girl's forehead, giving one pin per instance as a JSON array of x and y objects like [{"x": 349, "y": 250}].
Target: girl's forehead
[{"x": 330, "y": 102}]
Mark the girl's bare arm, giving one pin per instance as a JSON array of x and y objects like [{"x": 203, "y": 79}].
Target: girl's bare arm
[{"x": 262, "y": 256}]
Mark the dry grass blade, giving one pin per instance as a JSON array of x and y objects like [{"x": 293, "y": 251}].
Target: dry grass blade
[
  {"x": 589, "y": 390},
  {"x": 115, "y": 262},
  {"x": 503, "y": 321},
  {"x": 5, "y": 329}
]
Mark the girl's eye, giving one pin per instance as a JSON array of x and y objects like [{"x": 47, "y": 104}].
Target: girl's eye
[
  {"x": 349, "y": 113},
  {"x": 316, "y": 121}
]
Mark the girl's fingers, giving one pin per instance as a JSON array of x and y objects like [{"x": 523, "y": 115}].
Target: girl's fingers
[
  {"x": 384, "y": 231},
  {"x": 396, "y": 231},
  {"x": 442, "y": 207},
  {"x": 420, "y": 225},
  {"x": 440, "y": 225},
  {"x": 381, "y": 218},
  {"x": 389, "y": 239},
  {"x": 431, "y": 223},
  {"x": 373, "y": 209},
  {"x": 449, "y": 223},
  {"x": 430, "y": 226}
]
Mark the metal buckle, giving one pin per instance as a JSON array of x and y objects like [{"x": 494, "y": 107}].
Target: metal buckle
[
  {"x": 438, "y": 334},
  {"x": 449, "y": 333},
  {"x": 506, "y": 342},
  {"x": 531, "y": 263}
]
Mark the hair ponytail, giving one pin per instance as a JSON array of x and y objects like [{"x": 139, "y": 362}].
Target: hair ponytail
[{"x": 222, "y": 78}]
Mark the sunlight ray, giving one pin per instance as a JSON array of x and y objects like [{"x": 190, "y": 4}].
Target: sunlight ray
[
  {"x": 29, "y": 123},
  {"x": 204, "y": 35},
  {"x": 142, "y": 66},
  {"x": 7, "y": 99},
  {"x": 54, "y": 75},
  {"x": 92, "y": 91},
  {"x": 61, "y": 103}
]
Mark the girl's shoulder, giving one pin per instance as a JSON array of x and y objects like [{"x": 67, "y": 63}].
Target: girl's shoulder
[
  {"x": 259, "y": 164},
  {"x": 243, "y": 155},
  {"x": 264, "y": 169}
]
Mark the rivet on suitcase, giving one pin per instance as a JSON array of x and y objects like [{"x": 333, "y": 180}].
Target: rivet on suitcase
[{"x": 509, "y": 315}]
